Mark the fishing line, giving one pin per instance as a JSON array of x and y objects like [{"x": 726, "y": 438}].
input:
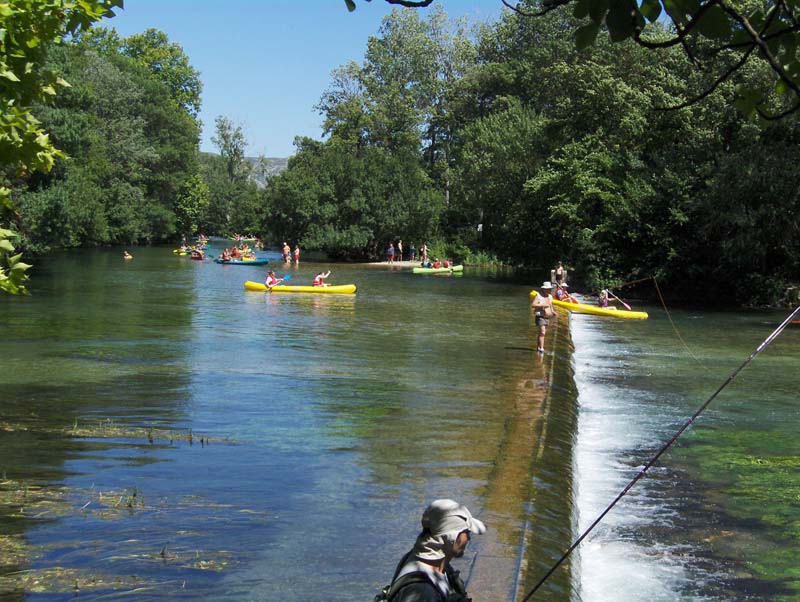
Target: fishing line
[
  {"x": 624, "y": 284},
  {"x": 764, "y": 344},
  {"x": 675, "y": 328}
]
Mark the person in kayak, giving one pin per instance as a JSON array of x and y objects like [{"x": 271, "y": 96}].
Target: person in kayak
[
  {"x": 602, "y": 300},
  {"x": 543, "y": 310},
  {"x": 271, "y": 280},
  {"x": 436, "y": 263},
  {"x": 319, "y": 279},
  {"x": 561, "y": 294},
  {"x": 424, "y": 574},
  {"x": 126, "y": 255}
]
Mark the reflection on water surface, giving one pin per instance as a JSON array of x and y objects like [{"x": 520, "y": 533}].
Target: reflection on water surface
[{"x": 321, "y": 426}]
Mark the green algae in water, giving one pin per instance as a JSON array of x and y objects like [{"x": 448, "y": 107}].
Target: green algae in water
[
  {"x": 20, "y": 568},
  {"x": 754, "y": 478}
]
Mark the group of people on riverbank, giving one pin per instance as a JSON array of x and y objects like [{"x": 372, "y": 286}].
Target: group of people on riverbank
[{"x": 394, "y": 252}]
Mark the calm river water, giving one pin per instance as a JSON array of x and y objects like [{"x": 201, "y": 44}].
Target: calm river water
[{"x": 166, "y": 435}]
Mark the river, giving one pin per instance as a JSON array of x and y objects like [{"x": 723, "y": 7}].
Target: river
[{"x": 168, "y": 436}]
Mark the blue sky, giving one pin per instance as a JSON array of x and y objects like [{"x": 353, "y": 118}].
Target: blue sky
[{"x": 265, "y": 63}]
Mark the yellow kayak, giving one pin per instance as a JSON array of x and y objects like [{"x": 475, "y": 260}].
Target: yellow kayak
[
  {"x": 335, "y": 289},
  {"x": 585, "y": 308}
]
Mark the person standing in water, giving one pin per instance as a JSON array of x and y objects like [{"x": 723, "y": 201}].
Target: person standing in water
[
  {"x": 543, "y": 310},
  {"x": 558, "y": 274}
]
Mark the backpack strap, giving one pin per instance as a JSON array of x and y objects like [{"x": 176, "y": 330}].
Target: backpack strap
[{"x": 408, "y": 579}]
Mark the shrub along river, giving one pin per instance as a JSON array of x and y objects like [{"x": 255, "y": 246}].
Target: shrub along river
[{"x": 165, "y": 435}]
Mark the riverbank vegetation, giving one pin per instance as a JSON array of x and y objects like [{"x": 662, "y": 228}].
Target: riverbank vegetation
[{"x": 500, "y": 141}]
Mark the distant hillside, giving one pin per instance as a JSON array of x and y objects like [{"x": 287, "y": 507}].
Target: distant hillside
[{"x": 272, "y": 166}]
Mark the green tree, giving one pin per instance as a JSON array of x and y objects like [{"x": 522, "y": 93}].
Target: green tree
[
  {"x": 168, "y": 64},
  {"x": 191, "y": 203},
  {"x": 720, "y": 36},
  {"x": 345, "y": 107},
  {"x": 12, "y": 268},
  {"x": 132, "y": 148},
  {"x": 27, "y": 27},
  {"x": 500, "y": 153},
  {"x": 230, "y": 141},
  {"x": 348, "y": 204},
  {"x": 234, "y": 196}
]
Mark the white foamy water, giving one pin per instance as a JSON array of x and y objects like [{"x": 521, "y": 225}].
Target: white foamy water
[{"x": 616, "y": 421}]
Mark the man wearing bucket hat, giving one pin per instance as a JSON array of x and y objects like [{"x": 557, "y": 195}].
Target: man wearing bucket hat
[
  {"x": 543, "y": 310},
  {"x": 424, "y": 574}
]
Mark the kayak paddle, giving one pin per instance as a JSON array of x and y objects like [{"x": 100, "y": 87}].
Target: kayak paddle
[{"x": 628, "y": 307}]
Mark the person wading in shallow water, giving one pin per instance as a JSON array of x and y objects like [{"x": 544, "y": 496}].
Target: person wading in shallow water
[
  {"x": 424, "y": 574},
  {"x": 558, "y": 274},
  {"x": 543, "y": 310}
]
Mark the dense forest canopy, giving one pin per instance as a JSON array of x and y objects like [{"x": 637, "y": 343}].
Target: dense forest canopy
[
  {"x": 720, "y": 36},
  {"x": 27, "y": 29},
  {"x": 504, "y": 140}
]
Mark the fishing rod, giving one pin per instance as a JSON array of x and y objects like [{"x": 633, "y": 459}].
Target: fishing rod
[{"x": 764, "y": 344}]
